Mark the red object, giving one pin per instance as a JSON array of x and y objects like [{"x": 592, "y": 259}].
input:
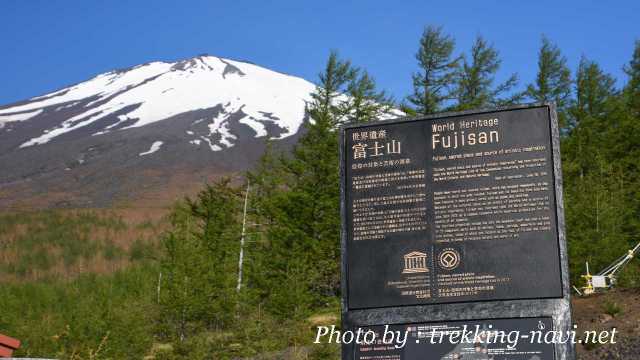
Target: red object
[
  {"x": 9, "y": 342},
  {"x": 5, "y": 351},
  {"x": 7, "y": 345}
]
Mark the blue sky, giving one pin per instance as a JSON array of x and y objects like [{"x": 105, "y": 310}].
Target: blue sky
[{"x": 50, "y": 44}]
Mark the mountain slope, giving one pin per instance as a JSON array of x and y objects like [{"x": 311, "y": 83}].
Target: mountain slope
[{"x": 145, "y": 132}]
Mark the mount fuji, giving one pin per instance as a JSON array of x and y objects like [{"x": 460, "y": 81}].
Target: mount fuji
[{"x": 145, "y": 133}]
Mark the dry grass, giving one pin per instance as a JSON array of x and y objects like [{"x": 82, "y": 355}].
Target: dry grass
[{"x": 66, "y": 243}]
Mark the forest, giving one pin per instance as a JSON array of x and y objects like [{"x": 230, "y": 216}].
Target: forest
[{"x": 179, "y": 295}]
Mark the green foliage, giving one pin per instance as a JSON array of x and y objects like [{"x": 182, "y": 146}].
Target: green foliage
[
  {"x": 475, "y": 85},
  {"x": 334, "y": 79},
  {"x": 41, "y": 240},
  {"x": 630, "y": 275},
  {"x": 553, "y": 82},
  {"x": 595, "y": 92},
  {"x": 632, "y": 90},
  {"x": 325, "y": 352},
  {"x": 199, "y": 265},
  {"x": 433, "y": 85},
  {"x": 297, "y": 197},
  {"x": 364, "y": 101},
  {"x": 141, "y": 249},
  {"x": 600, "y": 168},
  {"x": 611, "y": 308},
  {"x": 111, "y": 251},
  {"x": 110, "y": 315}
]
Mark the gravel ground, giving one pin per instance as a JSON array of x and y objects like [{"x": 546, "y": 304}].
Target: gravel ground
[{"x": 618, "y": 309}]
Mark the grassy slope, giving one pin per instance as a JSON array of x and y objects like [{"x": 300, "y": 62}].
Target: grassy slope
[
  {"x": 112, "y": 317},
  {"x": 80, "y": 285},
  {"x": 108, "y": 314},
  {"x": 83, "y": 284}
]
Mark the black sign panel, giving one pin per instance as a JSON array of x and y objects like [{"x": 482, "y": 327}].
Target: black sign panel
[
  {"x": 498, "y": 339},
  {"x": 453, "y": 209}
]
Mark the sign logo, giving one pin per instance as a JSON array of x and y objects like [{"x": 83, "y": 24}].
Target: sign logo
[
  {"x": 449, "y": 259},
  {"x": 415, "y": 262}
]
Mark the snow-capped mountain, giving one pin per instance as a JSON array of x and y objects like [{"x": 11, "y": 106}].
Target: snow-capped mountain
[
  {"x": 135, "y": 129},
  {"x": 124, "y": 99}
]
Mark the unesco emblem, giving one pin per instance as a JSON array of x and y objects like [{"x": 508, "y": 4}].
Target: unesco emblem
[
  {"x": 415, "y": 262},
  {"x": 449, "y": 259}
]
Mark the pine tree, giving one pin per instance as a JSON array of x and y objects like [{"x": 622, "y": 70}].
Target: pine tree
[
  {"x": 199, "y": 263},
  {"x": 595, "y": 95},
  {"x": 475, "y": 82},
  {"x": 594, "y": 89},
  {"x": 333, "y": 81},
  {"x": 632, "y": 90},
  {"x": 600, "y": 167},
  {"x": 181, "y": 302},
  {"x": 302, "y": 210},
  {"x": 553, "y": 82},
  {"x": 433, "y": 84},
  {"x": 364, "y": 102}
]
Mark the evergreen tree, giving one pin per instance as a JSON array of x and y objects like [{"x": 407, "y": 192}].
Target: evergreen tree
[
  {"x": 433, "y": 84},
  {"x": 333, "y": 81},
  {"x": 553, "y": 82},
  {"x": 302, "y": 210},
  {"x": 594, "y": 89},
  {"x": 178, "y": 306},
  {"x": 600, "y": 167},
  {"x": 595, "y": 93},
  {"x": 407, "y": 109},
  {"x": 364, "y": 102},
  {"x": 632, "y": 90},
  {"x": 199, "y": 265},
  {"x": 475, "y": 82}
]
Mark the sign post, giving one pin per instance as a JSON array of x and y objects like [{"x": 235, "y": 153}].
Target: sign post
[{"x": 452, "y": 222}]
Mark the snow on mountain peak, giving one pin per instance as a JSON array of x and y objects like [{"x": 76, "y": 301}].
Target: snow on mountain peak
[{"x": 152, "y": 92}]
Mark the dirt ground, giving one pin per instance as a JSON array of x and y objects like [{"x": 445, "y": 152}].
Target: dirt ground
[{"x": 619, "y": 309}]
